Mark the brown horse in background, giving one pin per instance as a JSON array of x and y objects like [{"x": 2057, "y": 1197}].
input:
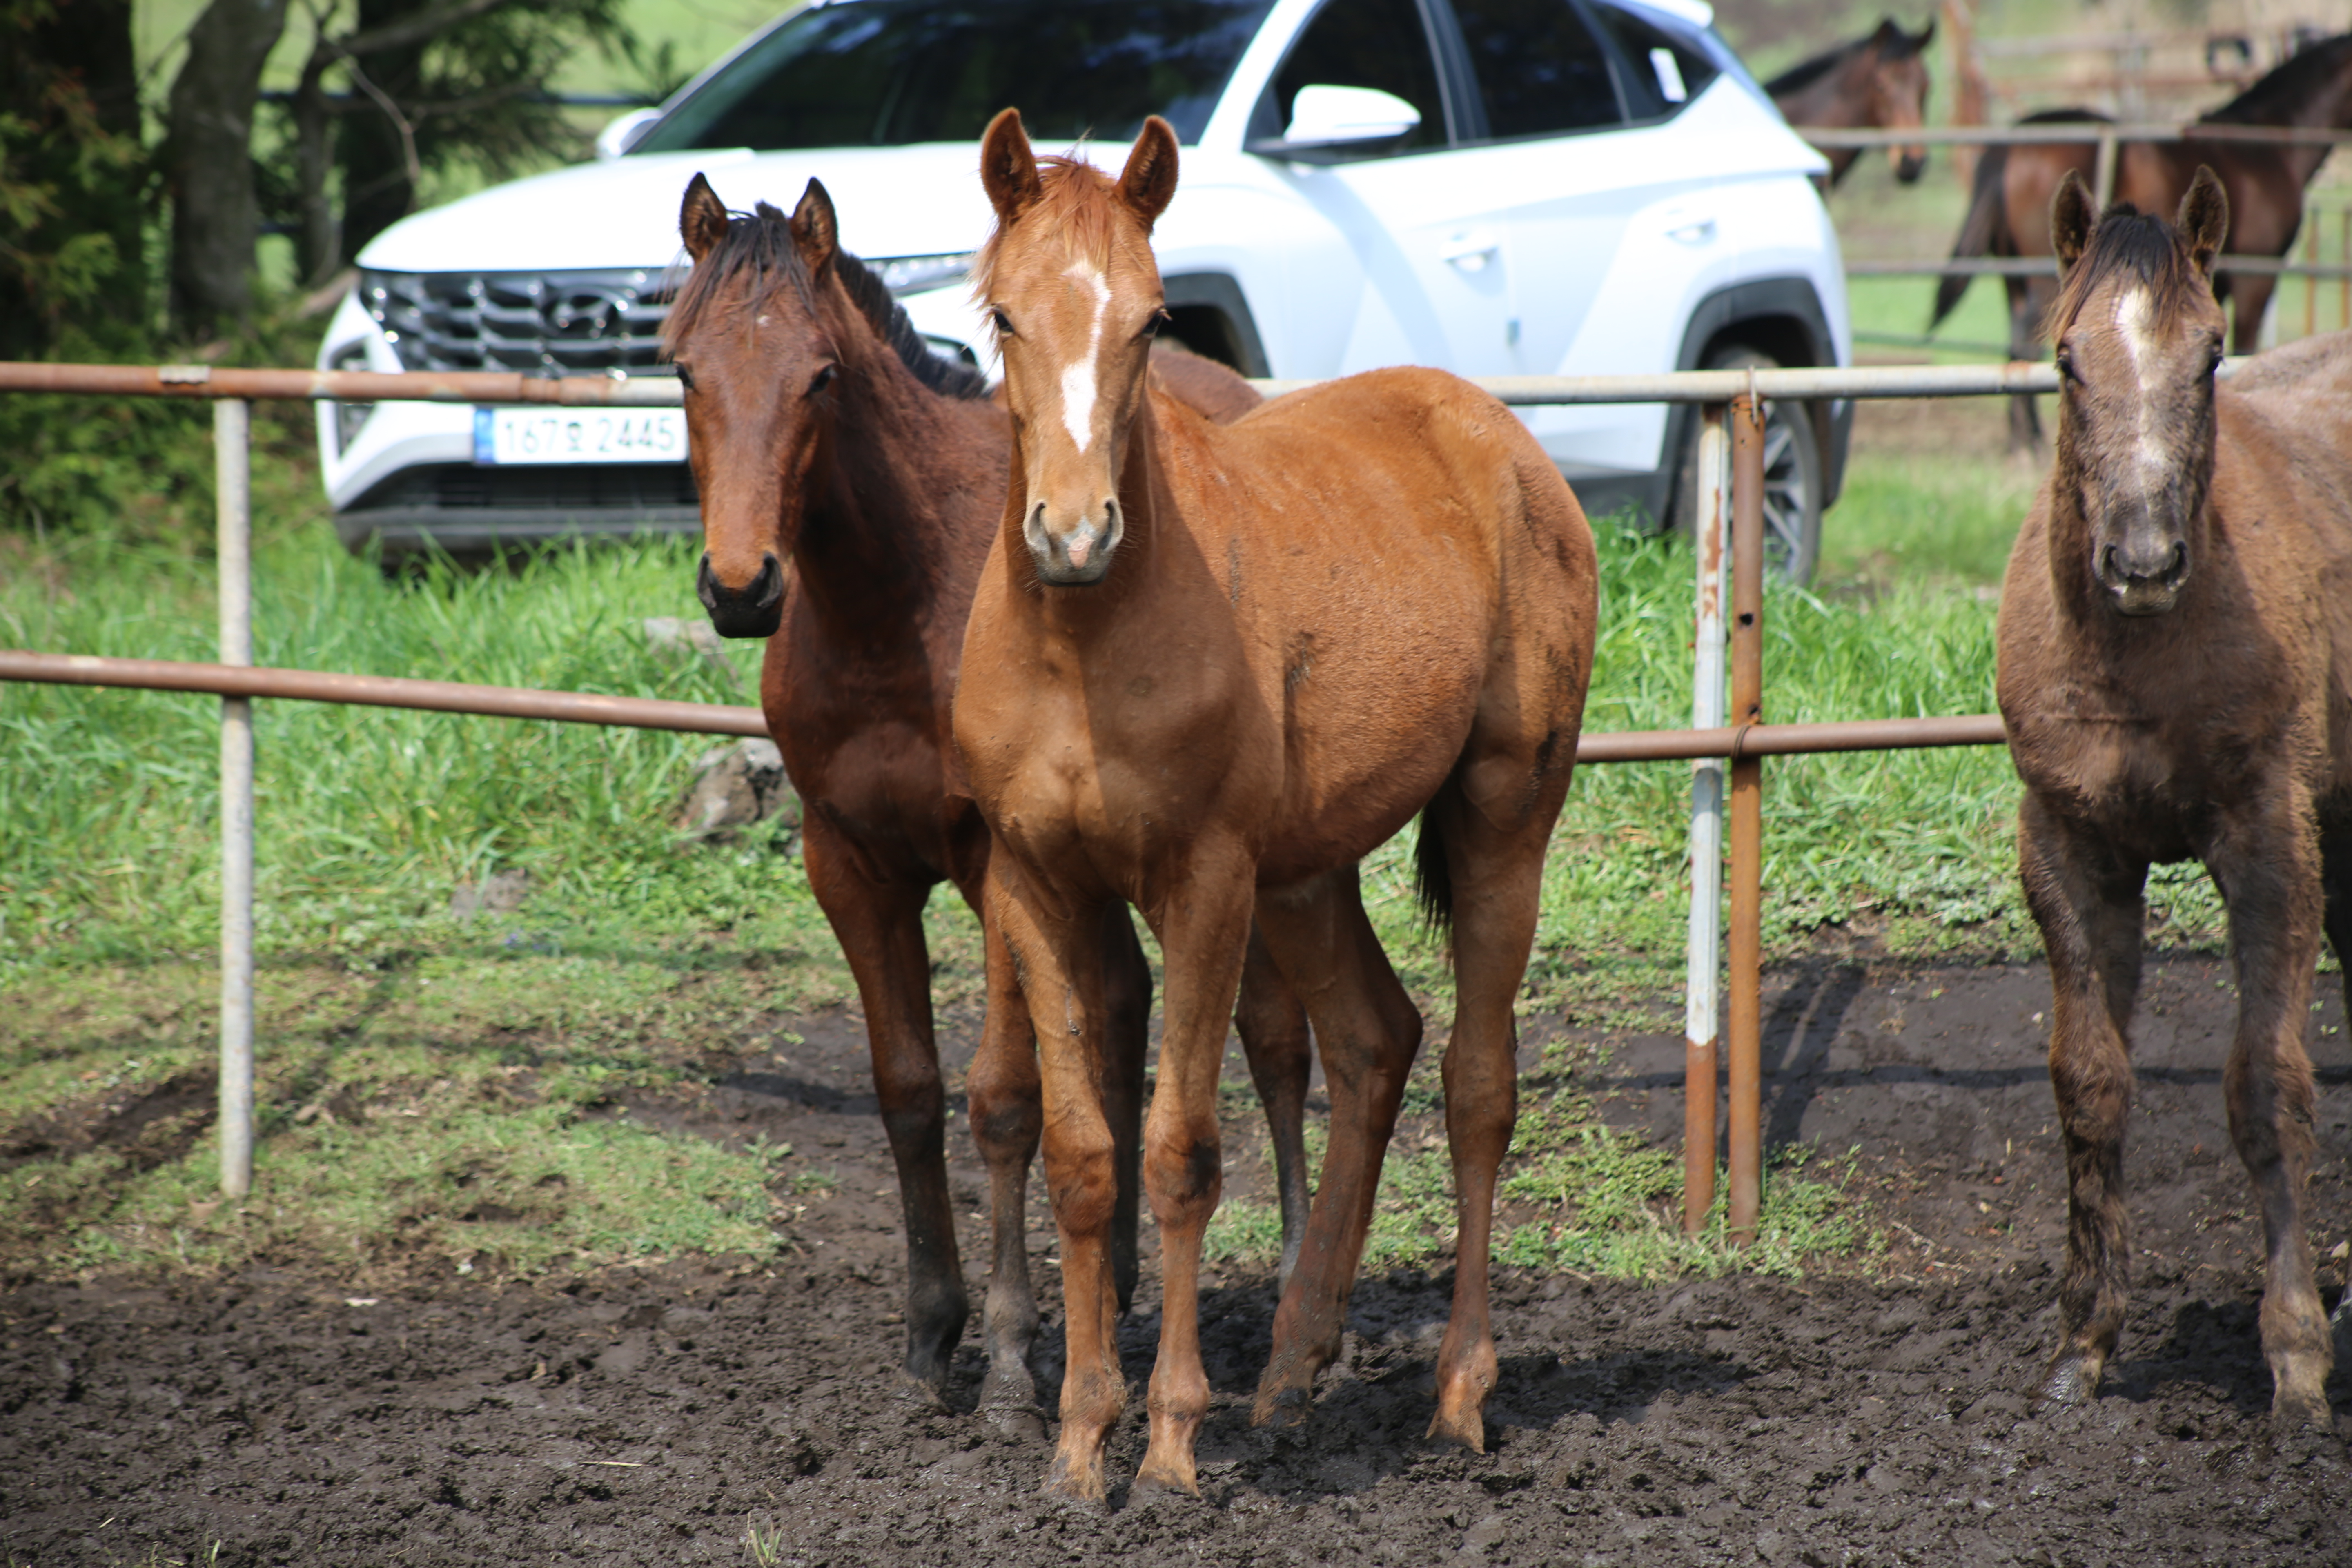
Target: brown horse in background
[
  {"x": 2175, "y": 647},
  {"x": 2009, "y": 211},
  {"x": 825, "y": 432},
  {"x": 1209, "y": 668},
  {"x": 1878, "y": 81}
]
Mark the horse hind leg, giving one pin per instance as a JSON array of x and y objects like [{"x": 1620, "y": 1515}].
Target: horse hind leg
[
  {"x": 1273, "y": 1027},
  {"x": 2088, "y": 904},
  {"x": 1127, "y": 1003},
  {"x": 2024, "y": 412},
  {"x": 1004, "y": 1100},
  {"x": 1367, "y": 1031},
  {"x": 1493, "y": 860}
]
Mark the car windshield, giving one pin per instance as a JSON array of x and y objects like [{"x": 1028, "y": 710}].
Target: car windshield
[{"x": 883, "y": 73}]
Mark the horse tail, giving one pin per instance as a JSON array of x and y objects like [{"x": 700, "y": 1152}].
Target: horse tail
[
  {"x": 1432, "y": 878},
  {"x": 1983, "y": 232}
]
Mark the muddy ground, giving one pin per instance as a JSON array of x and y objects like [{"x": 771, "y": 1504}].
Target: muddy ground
[{"x": 1869, "y": 1413}]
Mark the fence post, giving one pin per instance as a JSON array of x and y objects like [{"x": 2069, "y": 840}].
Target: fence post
[
  {"x": 2103, "y": 173},
  {"x": 1743, "y": 1014},
  {"x": 233, "y": 467},
  {"x": 1701, "y": 1028}
]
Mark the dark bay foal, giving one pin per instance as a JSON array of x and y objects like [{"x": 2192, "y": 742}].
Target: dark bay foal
[
  {"x": 851, "y": 482},
  {"x": 2175, "y": 656}
]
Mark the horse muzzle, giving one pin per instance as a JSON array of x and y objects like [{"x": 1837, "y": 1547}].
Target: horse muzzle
[
  {"x": 2145, "y": 582},
  {"x": 1076, "y": 556},
  {"x": 1910, "y": 164},
  {"x": 755, "y": 610}
]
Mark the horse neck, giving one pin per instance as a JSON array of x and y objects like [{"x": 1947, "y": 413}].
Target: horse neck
[
  {"x": 2327, "y": 106},
  {"x": 887, "y": 531}
]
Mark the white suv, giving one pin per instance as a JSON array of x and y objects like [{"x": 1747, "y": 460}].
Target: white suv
[{"x": 1498, "y": 187}]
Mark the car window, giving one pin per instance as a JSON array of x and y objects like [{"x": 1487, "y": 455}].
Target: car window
[
  {"x": 884, "y": 73},
  {"x": 1668, "y": 70},
  {"x": 1540, "y": 71},
  {"x": 1379, "y": 44}
]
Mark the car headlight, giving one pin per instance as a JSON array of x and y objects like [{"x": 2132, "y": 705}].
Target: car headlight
[
  {"x": 350, "y": 417},
  {"x": 913, "y": 274}
]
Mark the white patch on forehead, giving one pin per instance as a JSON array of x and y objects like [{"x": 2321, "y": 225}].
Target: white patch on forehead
[
  {"x": 2134, "y": 320},
  {"x": 1078, "y": 378}
]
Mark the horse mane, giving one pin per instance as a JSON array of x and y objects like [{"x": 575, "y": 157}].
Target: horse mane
[
  {"x": 760, "y": 242},
  {"x": 2270, "y": 99},
  {"x": 2126, "y": 238},
  {"x": 1892, "y": 41},
  {"x": 1074, "y": 201}
]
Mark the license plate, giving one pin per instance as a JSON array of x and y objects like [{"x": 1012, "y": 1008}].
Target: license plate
[{"x": 504, "y": 435}]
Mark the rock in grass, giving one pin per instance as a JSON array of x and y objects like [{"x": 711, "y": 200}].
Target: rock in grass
[
  {"x": 500, "y": 894},
  {"x": 675, "y": 637},
  {"x": 735, "y": 786}
]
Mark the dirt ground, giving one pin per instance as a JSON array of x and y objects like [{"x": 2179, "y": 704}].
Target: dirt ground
[{"x": 1867, "y": 1414}]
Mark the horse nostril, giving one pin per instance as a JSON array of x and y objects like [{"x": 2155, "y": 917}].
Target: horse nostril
[
  {"x": 706, "y": 585},
  {"x": 2179, "y": 564},
  {"x": 753, "y": 610}
]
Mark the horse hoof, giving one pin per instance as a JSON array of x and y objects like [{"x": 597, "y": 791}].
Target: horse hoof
[
  {"x": 1163, "y": 1481},
  {"x": 1468, "y": 1431},
  {"x": 1019, "y": 1425},
  {"x": 1073, "y": 1483},
  {"x": 2300, "y": 1410},
  {"x": 2070, "y": 1380},
  {"x": 920, "y": 1393},
  {"x": 1282, "y": 1406},
  {"x": 1008, "y": 1387}
]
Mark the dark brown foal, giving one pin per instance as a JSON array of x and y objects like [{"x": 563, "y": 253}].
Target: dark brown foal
[
  {"x": 2176, "y": 642},
  {"x": 825, "y": 433}
]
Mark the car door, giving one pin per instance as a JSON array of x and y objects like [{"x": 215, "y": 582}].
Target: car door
[
  {"x": 1574, "y": 130},
  {"x": 1433, "y": 264}
]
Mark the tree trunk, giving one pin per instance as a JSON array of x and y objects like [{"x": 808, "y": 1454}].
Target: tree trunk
[{"x": 216, "y": 216}]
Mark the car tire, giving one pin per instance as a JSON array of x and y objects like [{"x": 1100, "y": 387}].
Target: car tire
[{"x": 1794, "y": 476}]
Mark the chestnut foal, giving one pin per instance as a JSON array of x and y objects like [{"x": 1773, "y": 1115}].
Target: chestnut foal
[
  {"x": 826, "y": 433},
  {"x": 2175, "y": 651},
  {"x": 1208, "y": 669}
]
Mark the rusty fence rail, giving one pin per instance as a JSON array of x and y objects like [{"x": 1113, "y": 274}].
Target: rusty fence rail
[{"x": 1726, "y": 743}]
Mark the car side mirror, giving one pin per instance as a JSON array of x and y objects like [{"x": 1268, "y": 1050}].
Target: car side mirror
[
  {"x": 622, "y": 133},
  {"x": 1325, "y": 120}
]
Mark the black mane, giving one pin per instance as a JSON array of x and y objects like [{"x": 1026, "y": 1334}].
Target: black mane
[
  {"x": 760, "y": 242},
  {"x": 2270, "y": 99}
]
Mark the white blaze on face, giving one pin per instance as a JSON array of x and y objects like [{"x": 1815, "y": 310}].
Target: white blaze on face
[
  {"x": 1078, "y": 379},
  {"x": 2135, "y": 314}
]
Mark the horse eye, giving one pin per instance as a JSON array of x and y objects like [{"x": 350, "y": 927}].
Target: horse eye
[
  {"x": 1003, "y": 321},
  {"x": 822, "y": 378},
  {"x": 2066, "y": 366},
  {"x": 1158, "y": 319},
  {"x": 686, "y": 378}
]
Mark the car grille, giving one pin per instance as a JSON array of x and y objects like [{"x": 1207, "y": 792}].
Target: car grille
[
  {"x": 566, "y": 323},
  {"x": 552, "y": 488}
]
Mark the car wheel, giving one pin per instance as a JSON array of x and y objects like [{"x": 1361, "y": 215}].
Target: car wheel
[{"x": 1793, "y": 475}]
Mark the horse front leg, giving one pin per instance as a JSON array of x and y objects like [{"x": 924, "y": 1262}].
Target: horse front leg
[
  {"x": 2087, "y": 899},
  {"x": 2266, "y": 860},
  {"x": 1057, "y": 954},
  {"x": 880, "y": 922},
  {"x": 1273, "y": 1027},
  {"x": 2024, "y": 412},
  {"x": 1203, "y": 927}
]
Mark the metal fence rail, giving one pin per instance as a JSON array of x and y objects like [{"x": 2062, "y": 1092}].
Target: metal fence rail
[
  {"x": 2108, "y": 136},
  {"x": 1730, "y": 576}
]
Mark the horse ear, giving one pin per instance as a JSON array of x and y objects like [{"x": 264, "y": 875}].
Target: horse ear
[
  {"x": 1148, "y": 184},
  {"x": 1888, "y": 37},
  {"x": 815, "y": 231},
  {"x": 2204, "y": 219},
  {"x": 2070, "y": 219},
  {"x": 701, "y": 218},
  {"x": 1919, "y": 44},
  {"x": 1008, "y": 167}
]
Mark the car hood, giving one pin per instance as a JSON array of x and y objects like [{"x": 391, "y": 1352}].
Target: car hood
[{"x": 922, "y": 200}]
